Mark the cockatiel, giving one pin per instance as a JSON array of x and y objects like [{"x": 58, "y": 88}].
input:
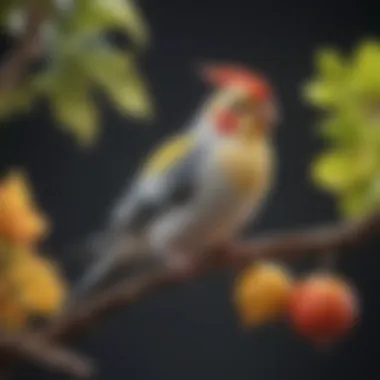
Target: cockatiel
[{"x": 200, "y": 187}]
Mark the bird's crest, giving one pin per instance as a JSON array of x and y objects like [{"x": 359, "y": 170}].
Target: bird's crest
[{"x": 225, "y": 76}]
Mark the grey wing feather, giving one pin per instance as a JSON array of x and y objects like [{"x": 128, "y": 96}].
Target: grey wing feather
[
  {"x": 143, "y": 203},
  {"x": 151, "y": 195}
]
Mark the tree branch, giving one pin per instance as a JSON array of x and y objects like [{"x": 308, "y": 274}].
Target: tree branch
[
  {"x": 29, "y": 48},
  {"x": 286, "y": 246},
  {"x": 291, "y": 246},
  {"x": 35, "y": 350}
]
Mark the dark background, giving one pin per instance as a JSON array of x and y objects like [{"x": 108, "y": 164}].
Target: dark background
[{"x": 191, "y": 332}]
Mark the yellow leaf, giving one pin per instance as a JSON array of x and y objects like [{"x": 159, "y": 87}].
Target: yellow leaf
[
  {"x": 40, "y": 287},
  {"x": 26, "y": 227},
  {"x": 13, "y": 317},
  {"x": 20, "y": 221},
  {"x": 17, "y": 189}
]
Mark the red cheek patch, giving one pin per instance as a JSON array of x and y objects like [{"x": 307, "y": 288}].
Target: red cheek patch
[{"x": 226, "y": 122}]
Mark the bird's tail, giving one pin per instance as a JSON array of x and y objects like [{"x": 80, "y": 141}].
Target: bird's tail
[
  {"x": 112, "y": 256},
  {"x": 82, "y": 251}
]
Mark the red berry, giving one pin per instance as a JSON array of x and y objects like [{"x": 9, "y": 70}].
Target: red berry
[{"x": 323, "y": 308}]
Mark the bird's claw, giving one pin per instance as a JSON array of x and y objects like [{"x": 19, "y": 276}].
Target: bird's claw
[{"x": 181, "y": 264}]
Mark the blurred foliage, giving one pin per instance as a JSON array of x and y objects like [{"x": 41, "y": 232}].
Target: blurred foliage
[
  {"x": 20, "y": 220},
  {"x": 30, "y": 285},
  {"x": 80, "y": 59},
  {"x": 347, "y": 91}
]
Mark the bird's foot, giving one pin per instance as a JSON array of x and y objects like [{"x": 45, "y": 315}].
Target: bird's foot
[{"x": 181, "y": 264}]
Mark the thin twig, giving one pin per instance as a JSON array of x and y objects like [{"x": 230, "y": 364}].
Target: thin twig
[{"x": 286, "y": 246}]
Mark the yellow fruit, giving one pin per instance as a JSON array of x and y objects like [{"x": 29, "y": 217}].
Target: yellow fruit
[{"x": 262, "y": 292}]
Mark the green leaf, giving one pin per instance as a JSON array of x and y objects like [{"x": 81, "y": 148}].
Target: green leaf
[
  {"x": 74, "y": 108},
  {"x": 332, "y": 171},
  {"x": 326, "y": 89},
  {"x": 374, "y": 191},
  {"x": 6, "y": 9},
  {"x": 367, "y": 55},
  {"x": 334, "y": 129},
  {"x": 365, "y": 74},
  {"x": 361, "y": 200},
  {"x": 121, "y": 14},
  {"x": 19, "y": 100},
  {"x": 78, "y": 116},
  {"x": 321, "y": 94},
  {"x": 330, "y": 64},
  {"x": 349, "y": 91},
  {"x": 352, "y": 205},
  {"x": 133, "y": 21},
  {"x": 118, "y": 75},
  {"x": 340, "y": 132},
  {"x": 339, "y": 169}
]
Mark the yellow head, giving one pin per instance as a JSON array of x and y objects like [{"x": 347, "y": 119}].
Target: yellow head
[{"x": 243, "y": 104}]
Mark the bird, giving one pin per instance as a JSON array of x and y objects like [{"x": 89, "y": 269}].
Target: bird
[{"x": 201, "y": 186}]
